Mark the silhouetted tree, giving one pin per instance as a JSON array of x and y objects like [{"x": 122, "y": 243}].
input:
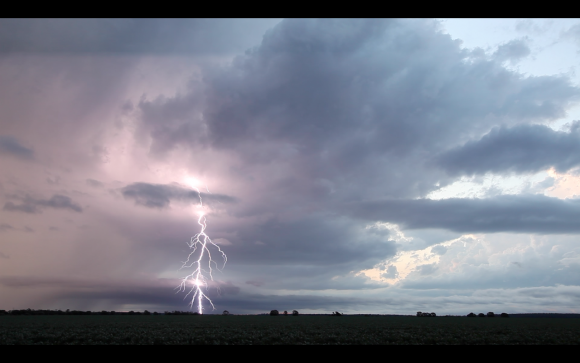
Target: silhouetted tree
[
  {"x": 274, "y": 313},
  {"x": 490, "y": 315},
  {"x": 294, "y": 312},
  {"x": 226, "y": 312}
]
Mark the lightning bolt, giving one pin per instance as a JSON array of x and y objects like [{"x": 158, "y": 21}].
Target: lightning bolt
[{"x": 202, "y": 265}]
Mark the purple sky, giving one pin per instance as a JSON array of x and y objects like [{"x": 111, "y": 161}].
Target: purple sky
[{"x": 378, "y": 166}]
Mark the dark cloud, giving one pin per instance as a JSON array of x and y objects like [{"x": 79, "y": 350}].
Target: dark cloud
[
  {"x": 9, "y": 145},
  {"x": 131, "y": 36},
  {"x": 354, "y": 105},
  {"x": 319, "y": 116},
  {"x": 326, "y": 113},
  {"x": 521, "y": 149},
  {"x": 165, "y": 299},
  {"x": 506, "y": 213},
  {"x": 31, "y": 205},
  {"x": 512, "y": 51},
  {"x": 320, "y": 244},
  {"x": 161, "y": 195}
]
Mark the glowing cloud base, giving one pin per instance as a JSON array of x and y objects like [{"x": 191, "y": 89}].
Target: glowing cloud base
[{"x": 201, "y": 261}]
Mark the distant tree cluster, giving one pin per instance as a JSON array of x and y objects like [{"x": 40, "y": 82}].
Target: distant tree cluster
[
  {"x": 488, "y": 315},
  {"x": 426, "y": 315},
  {"x": 276, "y": 312}
]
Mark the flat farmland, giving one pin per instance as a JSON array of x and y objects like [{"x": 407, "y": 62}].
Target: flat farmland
[{"x": 269, "y": 330}]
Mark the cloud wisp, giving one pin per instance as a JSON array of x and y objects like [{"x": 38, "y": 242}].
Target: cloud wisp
[
  {"x": 10, "y": 146},
  {"x": 32, "y": 205}
]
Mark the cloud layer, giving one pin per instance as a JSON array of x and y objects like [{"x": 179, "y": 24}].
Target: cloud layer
[
  {"x": 520, "y": 149},
  {"x": 320, "y": 141}
]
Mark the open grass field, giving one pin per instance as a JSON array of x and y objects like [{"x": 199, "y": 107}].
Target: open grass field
[{"x": 215, "y": 329}]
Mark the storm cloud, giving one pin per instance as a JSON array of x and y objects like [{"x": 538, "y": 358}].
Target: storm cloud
[
  {"x": 347, "y": 102},
  {"x": 129, "y": 36},
  {"x": 505, "y": 213},
  {"x": 32, "y": 205},
  {"x": 160, "y": 196},
  {"x": 322, "y": 141},
  {"x": 520, "y": 149}
]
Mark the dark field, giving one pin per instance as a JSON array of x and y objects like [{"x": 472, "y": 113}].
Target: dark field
[{"x": 215, "y": 329}]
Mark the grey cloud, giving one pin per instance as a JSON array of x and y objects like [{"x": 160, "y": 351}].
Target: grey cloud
[
  {"x": 31, "y": 205},
  {"x": 162, "y": 297},
  {"x": 512, "y": 51},
  {"x": 9, "y": 145},
  {"x": 131, "y": 36},
  {"x": 295, "y": 75},
  {"x": 573, "y": 33},
  {"x": 427, "y": 269},
  {"x": 524, "y": 148},
  {"x": 310, "y": 240},
  {"x": 440, "y": 250},
  {"x": 161, "y": 195},
  {"x": 5, "y": 227},
  {"x": 94, "y": 183},
  {"x": 348, "y": 101},
  {"x": 531, "y": 26},
  {"x": 509, "y": 213},
  {"x": 326, "y": 113},
  {"x": 539, "y": 187},
  {"x": 166, "y": 299},
  {"x": 480, "y": 276},
  {"x": 174, "y": 121},
  {"x": 391, "y": 272},
  {"x": 4, "y": 256},
  {"x": 321, "y": 115}
]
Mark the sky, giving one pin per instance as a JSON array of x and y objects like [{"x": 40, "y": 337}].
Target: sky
[{"x": 381, "y": 166}]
